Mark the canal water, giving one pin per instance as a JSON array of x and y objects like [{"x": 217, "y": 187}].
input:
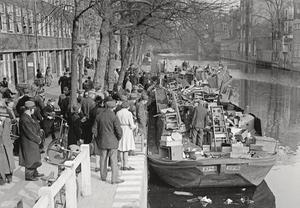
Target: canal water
[{"x": 274, "y": 96}]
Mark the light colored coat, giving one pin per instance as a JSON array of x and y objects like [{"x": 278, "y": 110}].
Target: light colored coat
[{"x": 127, "y": 124}]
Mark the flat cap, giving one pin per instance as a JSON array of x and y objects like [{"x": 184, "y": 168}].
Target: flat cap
[
  {"x": 111, "y": 104},
  {"x": 125, "y": 104},
  {"x": 29, "y": 104}
]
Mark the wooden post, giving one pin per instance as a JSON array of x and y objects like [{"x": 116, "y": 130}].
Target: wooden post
[
  {"x": 71, "y": 188},
  {"x": 86, "y": 171}
]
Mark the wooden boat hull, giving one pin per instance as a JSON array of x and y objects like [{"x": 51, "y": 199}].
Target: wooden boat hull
[{"x": 227, "y": 172}]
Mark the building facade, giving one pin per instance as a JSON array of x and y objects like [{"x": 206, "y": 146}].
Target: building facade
[
  {"x": 296, "y": 35},
  {"x": 34, "y": 34},
  {"x": 263, "y": 40}
]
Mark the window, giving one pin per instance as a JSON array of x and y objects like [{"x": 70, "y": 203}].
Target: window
[
  {"x": 10, "y": 16},
  {"x": 30, "y": 22},
  {"x": 18, "y": 20},
  {"x": 297, "y": 51},
  {"x": 39, "y": 24},
  {"x": 55, "y": 28},
  {"x": 70, "y": 30},
  {"x": 59, "y": 28},
  {"x": 48, "y": 26},
  {"x": 51, "y": 22},
  {"x": 297, "y": 26},
  {"x": 25, "y": 21},
  {"x": 44, "y": 25},
  {"x": 63, "y": 29},
  {"x": 2, "y": 18}
]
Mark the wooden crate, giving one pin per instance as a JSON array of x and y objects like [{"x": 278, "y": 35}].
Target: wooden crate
[{"x": 172, "y": 152}]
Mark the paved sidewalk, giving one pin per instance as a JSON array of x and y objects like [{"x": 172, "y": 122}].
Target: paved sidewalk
[{"x": 130, "y": 194}]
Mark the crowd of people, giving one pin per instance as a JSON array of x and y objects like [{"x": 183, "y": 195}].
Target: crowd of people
[{"x": 110, "y": 121}]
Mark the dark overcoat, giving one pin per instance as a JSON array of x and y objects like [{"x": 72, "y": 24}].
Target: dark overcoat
[
  {"x": 7, "y": 162},
  {"x": 107, "y": 130},
  {"x": 141, "y": 114},
  {"x": 74, "y": 133},
  {"x": 87, "y": 105},
  {"x": 199, "y": 117},
  {"x": 48, "y": 121},
  {"x": 30, "y": 156}
]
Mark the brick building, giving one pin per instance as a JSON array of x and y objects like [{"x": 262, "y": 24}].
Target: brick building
[{"x": 33, "y": 34}]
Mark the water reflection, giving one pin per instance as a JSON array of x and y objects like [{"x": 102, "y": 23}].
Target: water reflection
[
  {"x": 259, "y": 197},
  {"x": 275, "y": 99}
]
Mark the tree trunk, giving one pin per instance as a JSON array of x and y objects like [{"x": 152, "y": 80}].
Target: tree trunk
[
  {"x": 103, "y": 48},
  {"x": 139, "y": 50},
  {"x": 126, "y": 53},
  {"x": 74, "y": 56},
  {"x": 112, "y": 60},
  {"x": 102, "y": 55},
  {"x": 80, "y": 65}
]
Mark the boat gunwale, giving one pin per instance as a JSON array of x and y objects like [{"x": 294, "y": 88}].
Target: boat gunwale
[{"x": 211, "y": 161}]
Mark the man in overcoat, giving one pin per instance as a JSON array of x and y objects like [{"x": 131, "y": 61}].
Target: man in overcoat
[
  {"x": 30, "y": 156},
  {"x": 142, "y": 115},
  {"x": 87, "y": 105},
  {"x": 199, "y": 123},
  {"x": 49, "y": 116},
  {"x": 74, "y": 133},
  {"x": 63, "y": 82},
  {"x": 107, "y": 133}
]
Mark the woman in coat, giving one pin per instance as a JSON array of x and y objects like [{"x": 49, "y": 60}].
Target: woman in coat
[
  {"x": 7, "y": 162},
  {"x": 127, "y": 141},
  {"x": 29, "y": 155}
]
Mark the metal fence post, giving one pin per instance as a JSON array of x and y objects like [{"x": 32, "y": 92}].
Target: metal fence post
[{"x": 86, "y": 171}]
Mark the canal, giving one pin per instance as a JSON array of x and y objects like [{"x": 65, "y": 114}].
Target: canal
[{"x": 274, "y": 96}]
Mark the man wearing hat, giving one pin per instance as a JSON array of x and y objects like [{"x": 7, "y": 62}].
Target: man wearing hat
[
  {"x": 21, "y": 102},
  {"x": 30, "y": 140},
  {"x": 107, "y": 133},
  {"x": 49, "y": 116},
  {"x": 63, "y": 82}
]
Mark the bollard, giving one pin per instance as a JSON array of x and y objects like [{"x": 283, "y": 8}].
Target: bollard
[{"x": 86, "y": 171}]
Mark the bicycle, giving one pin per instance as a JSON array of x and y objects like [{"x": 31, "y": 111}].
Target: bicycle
[{"x": 56, "y": 150}]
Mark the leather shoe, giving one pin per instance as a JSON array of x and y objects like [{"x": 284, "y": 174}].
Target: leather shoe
[
  {"x": 37, "y": 174},
  {"x": 31, "y": 179},
  {"x": 118, "y": 181}
]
